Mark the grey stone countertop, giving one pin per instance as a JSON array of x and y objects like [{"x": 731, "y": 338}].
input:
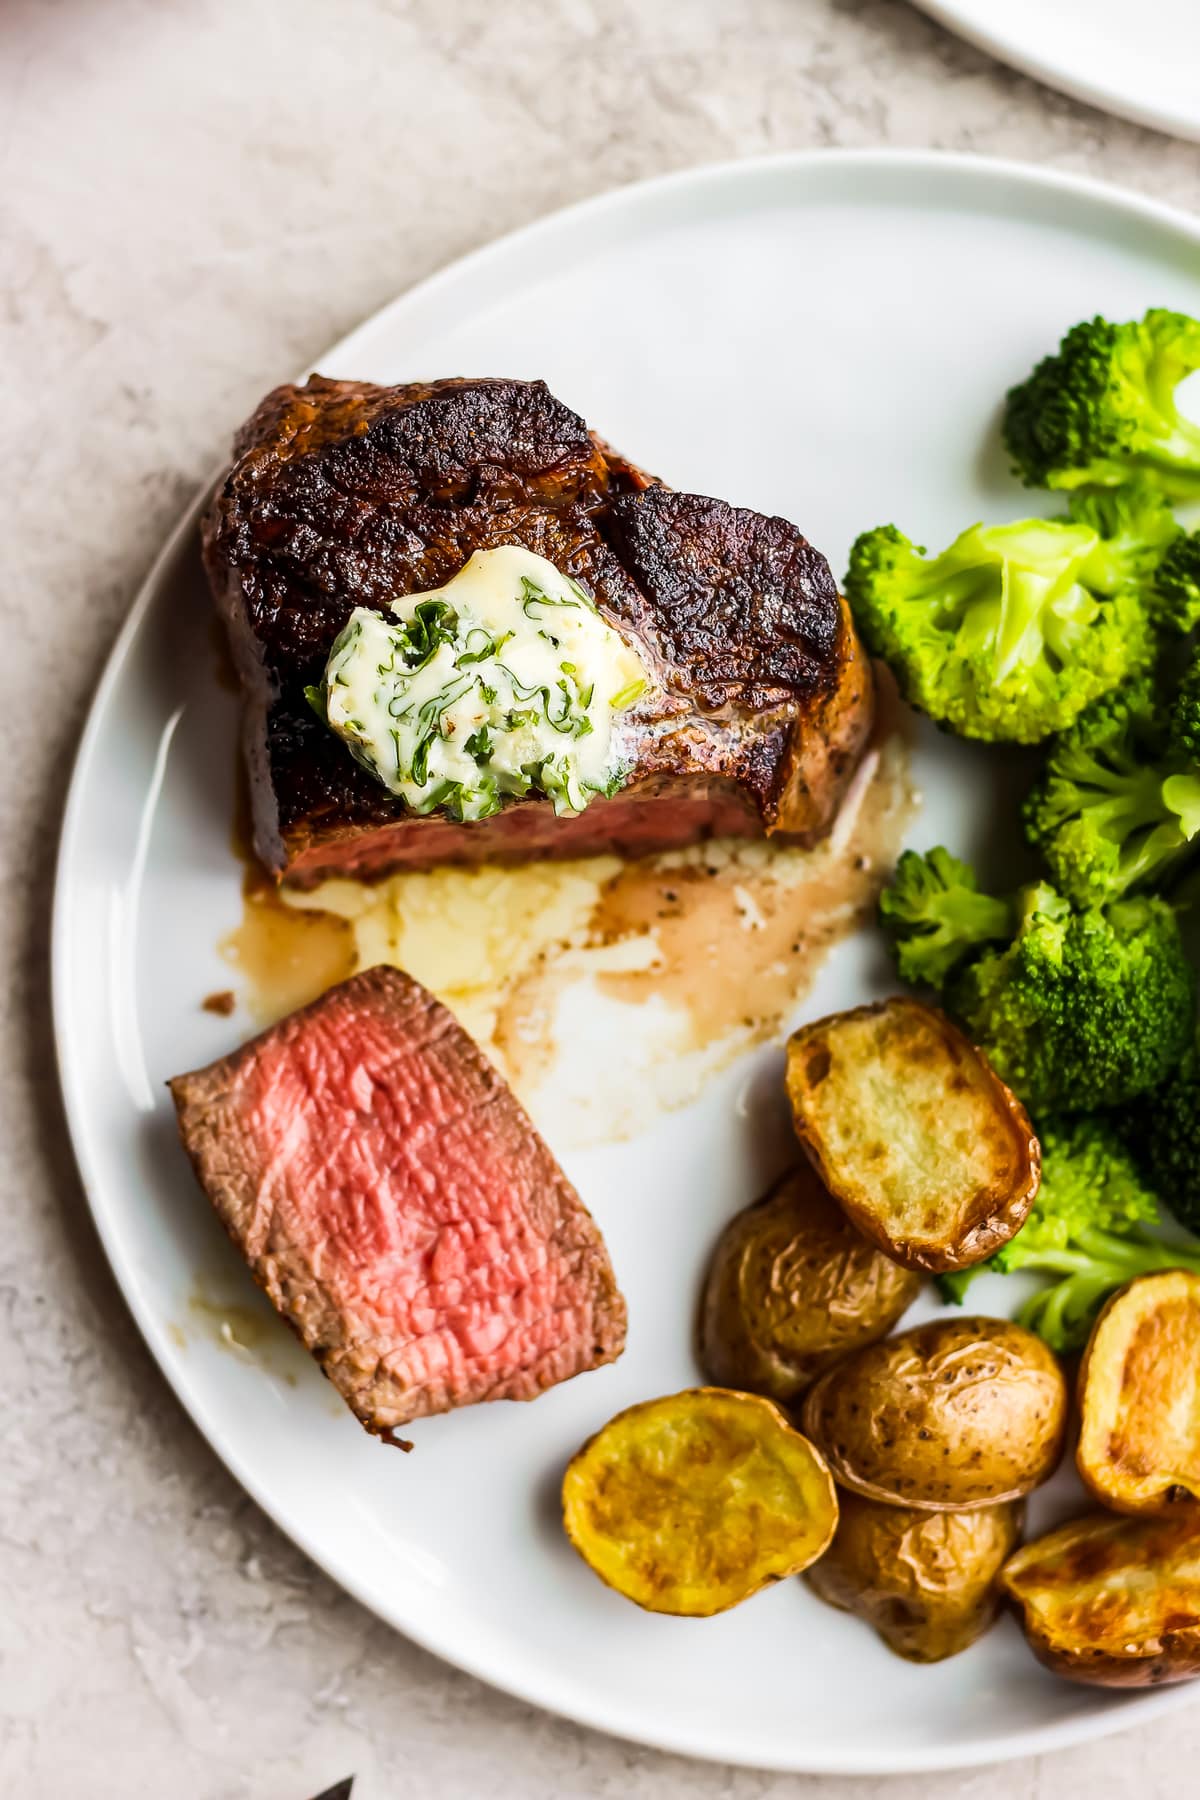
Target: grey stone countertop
[{"x": 197, "y": 197}]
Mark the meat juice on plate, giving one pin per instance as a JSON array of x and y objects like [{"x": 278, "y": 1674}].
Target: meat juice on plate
[{"x": 705, "y": 950}]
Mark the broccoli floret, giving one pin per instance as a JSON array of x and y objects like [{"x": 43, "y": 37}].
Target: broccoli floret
[
  {"x": 1102, "y": 408},
  {"x": 1142, "y": 545},
  {"x": 1117, "y": 806},
  {"x": 1136, "y": 528},
  {"x": 1163, "y": 1131},
  {"x": 1090, "y": 1226},
  {"x": 1077, "y": 1009},
  {"x": 1009, "y": 633},
  {"x": 1175, "y": 589},
  {"x": 1084, "y": 1009},
  {"x": 935, "y": 915},
  {"x": 1183, "y": 719}
]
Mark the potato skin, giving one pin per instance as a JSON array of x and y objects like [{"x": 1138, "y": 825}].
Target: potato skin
[
  {"x": 1089, "y": 1612},
  {"x": 1139, "y": 1396},
  {"x": 928, "y": 1582},
  {"x": 691, "y": 1503},
  {"x": 951, "y": 1415},
  {"x": 923, "y": 1146},
  {"x": 793, "y": 1287}
]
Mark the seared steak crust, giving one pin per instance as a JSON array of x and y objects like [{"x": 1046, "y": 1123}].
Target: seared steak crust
[
  {"x": 343, "y": 494},
  {"x": 741, "y": 609},
  {"x": 398, "y": 1207}
]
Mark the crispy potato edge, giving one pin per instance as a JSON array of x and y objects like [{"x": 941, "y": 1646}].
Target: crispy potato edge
[
  {"x": 1001, "y": 1216},
  {"x": 1172, "y": 1656}
]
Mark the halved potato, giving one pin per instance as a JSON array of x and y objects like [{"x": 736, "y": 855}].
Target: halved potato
[
  {"x": 1139, "y": 1396},
  {"x": 791, "y": 1288},
  {"x": 1111, "y": 1601},
  {"x": 926, "y": 1581},
  {"x": 951, "y": 1415},
  {"x": 692, "y": 1503},
  {"x": 913, "y": 1133}
]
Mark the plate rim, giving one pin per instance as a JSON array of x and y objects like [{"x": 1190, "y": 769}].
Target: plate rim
[
  {"x": 703, "y": 1744},
  {"x": 1015, "y": 53}
]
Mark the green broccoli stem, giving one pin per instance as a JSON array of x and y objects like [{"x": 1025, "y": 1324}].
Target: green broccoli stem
[
  {"x": 1102, "y": 1251},
  {"x": 1134, "y": 795},
  {"x": 1183, "y": 446},
  {"x": 974, "y": 918},
  {"x": 1061, "y": 1312},
  {"x": 1054, "y": 1262},
  {"x": 1181, "y": 798},
  {"x": 1138, "y": 1251},
  {"x": 1057, "y": 1312},
  {"x": 1132, "y": 818},
  {"x": 1147, "y": 862}
]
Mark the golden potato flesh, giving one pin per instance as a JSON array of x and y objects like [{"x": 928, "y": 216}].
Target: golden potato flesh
[
  {"x": 691, "y": 1503},
  {"x": 791, "y": 1288},
  {"x": 1112, "y": 1601},
  {"x": 927, "y": 1582},
  {"x": 954, "y": 1414},
  {"x": 913, "y": 1133},
  {"x": 1139, "y": 1396}
]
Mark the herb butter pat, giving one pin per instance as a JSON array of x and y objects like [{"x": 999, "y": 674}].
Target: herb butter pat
[{"x": 504, "y": 682}]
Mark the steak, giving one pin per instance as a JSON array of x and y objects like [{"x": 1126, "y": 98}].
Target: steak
[
  {"x": 397, "y": 1206},
  {"x": 342, "y": 494}
]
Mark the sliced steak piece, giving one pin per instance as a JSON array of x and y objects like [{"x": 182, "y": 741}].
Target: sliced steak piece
[
  {"x": 342, "y": 495},
  {"x": 397, "y": 1206}
]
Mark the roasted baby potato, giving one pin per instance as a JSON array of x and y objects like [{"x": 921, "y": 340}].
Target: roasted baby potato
[
  {"x": 791, "y": 1288},
  {"x": 1112, "y": 1601},
  {"x": 913, "y": 1133},
  {"x": 927, "y": 1582},
  {"x": 1139, "y": 1396},
  {"x": 691, "y": 1503},
  {"x": 954, "y": 1414}
]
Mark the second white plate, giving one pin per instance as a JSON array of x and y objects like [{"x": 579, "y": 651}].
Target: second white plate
[{"x": 1143, "y": 62}]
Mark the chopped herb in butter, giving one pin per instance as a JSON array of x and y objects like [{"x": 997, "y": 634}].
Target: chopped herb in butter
[{"x": 504, "y": 682}]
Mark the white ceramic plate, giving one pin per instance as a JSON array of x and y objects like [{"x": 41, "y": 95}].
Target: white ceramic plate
[
  {"x": 1143, "y": 62},
  {"x": 827, "y": 336}
]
